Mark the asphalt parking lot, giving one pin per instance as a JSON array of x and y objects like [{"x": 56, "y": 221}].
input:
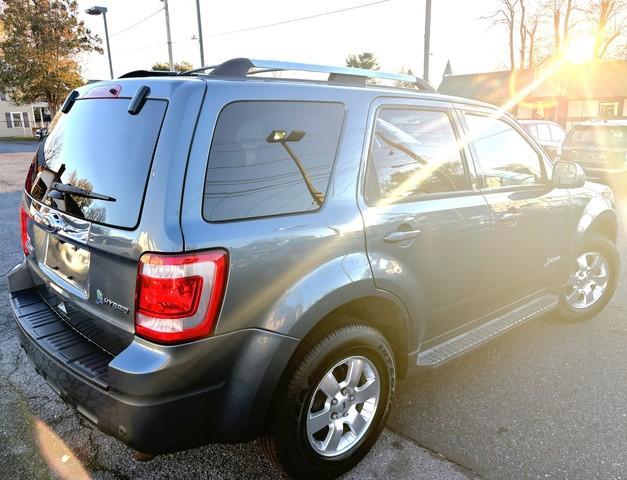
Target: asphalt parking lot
[
  {"x": 546, "y": 400},
  {"x": 21, "y": 146}
]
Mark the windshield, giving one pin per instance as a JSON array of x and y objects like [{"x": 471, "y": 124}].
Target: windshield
[
  {"x": 600, "y": 137},
  {"x": 106, "y": 153}
]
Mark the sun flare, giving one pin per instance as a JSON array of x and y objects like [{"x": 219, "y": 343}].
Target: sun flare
[{"x": 580, "y": 50}]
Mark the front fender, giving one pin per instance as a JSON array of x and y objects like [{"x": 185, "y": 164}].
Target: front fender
[{"x": 598, "y": 211}]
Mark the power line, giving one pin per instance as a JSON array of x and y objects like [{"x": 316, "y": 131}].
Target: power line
[
  {"x": 148, "y": 47},
  {"x": 283, "y": 22},
  {"x": 309, "y": 17},
  {"x": 137, "y": 23}
]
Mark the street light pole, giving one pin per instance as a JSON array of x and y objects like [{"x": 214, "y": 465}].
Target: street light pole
[
  {"x": 427, "y": 46},
  {"x": 103, "y": 11},
  {"x": 202, "y": 48},
  {"x": 104, "y": 16},
  {"x": 167, "y": 29}
]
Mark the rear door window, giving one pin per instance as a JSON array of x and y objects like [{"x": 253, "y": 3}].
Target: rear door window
[
  {"x": 271, "y": 158},
  {"x": 413, "y": 153},
  {"x": 103, "y": 150}
]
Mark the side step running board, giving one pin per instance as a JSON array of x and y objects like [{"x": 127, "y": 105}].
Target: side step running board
[{"x": 450, "y": 349}]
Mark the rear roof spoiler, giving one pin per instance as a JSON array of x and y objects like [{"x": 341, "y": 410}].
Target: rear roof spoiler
[{"x": 148, "y": 73}]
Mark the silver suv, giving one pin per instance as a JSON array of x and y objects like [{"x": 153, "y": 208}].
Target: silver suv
[{"x": 217, "y": 257}]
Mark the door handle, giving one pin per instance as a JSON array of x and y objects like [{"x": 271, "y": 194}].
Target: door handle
[
  {"x": 401, "y": 236},
  {"x": 510, "y": 217}
]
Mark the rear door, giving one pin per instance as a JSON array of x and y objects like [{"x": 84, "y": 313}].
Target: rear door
[
  {"x": 91, "y": 215},
  {"x": 534, "y": 222},
  {"x": 427, "y": 226}
]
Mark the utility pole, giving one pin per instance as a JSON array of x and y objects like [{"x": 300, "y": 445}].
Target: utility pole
[
  {"x": 425, "y": 67},
  {"x": 202, "y": 48},
  {"x": 167, "y": 29}
]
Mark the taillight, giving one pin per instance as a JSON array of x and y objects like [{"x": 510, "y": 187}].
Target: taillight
[
  {"x": 30, "y": 176},
  {"x": 179, "y": 296},
  {"x": 26, "y": 247}
]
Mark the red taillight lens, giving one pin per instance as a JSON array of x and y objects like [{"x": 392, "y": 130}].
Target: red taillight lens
[
  {"x": 30, "y": 176},
  {"x": 179, "y": 296},
  {"x": 24, "y": 231}
]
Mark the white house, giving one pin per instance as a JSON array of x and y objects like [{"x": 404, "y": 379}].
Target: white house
[{"x": 21, "y": 120}]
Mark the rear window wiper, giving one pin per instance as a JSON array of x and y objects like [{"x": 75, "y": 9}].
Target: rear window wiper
[
  {"x": 80, "y": 192},
  {"x": 282, "y": 137}
]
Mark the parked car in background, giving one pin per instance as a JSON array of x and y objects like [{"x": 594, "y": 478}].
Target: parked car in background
[
  {"x": 40, "y": 133},
  {"x": 600, "y": 147},
  {"x": 241, "y": 256},
  {"x": 549, "y": 135}
]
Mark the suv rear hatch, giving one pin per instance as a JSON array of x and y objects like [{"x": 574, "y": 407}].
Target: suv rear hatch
[
  {"x": 85, "y": 193},
  {"x": 596, "y": 146}
]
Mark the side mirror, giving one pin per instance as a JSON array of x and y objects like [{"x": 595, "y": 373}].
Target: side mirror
[{"x": 568, "y": 175}]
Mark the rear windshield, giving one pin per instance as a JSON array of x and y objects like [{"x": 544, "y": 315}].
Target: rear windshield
[
  {"x": 264, "y": 154},
  {"x": 103, "y": 150},
  {"x": 601, "y": 136}
]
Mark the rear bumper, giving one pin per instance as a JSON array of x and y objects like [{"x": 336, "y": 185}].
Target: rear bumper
[{"x": 156, "y": 398}]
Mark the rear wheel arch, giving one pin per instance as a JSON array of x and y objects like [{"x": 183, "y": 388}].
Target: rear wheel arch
[{"x": 378, "y": 312}]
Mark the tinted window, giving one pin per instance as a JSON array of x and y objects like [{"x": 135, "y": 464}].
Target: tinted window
[
  {"x": 99, "y": 147},
  {"x": 601, "y": 137},
  {"x": 505, "y": 157},
  {"x": 252, "y": 174},
  {"x": 557, "y": 133},
  {"x": 531, "y": 128},
  {"x": 413, "y": 153},
  {"x": 544, "y": 134}
]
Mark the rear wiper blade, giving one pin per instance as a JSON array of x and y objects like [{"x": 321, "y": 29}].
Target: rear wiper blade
[{"x": 80, "y": 192}]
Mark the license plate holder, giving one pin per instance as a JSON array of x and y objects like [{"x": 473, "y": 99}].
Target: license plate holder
[{"x": 67, "y": 261}]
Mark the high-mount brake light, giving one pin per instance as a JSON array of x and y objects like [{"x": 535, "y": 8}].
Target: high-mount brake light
[
  {"x": 179, "y": 296},
  {"x": 107, "y": 91}
]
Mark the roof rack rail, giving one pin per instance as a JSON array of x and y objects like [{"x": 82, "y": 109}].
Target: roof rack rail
[{"x": 241, "y": 67}]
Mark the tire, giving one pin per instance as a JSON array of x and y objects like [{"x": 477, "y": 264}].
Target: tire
[
  {"x": 302, "y": 454},
  {"x": 599, "y": 245}
]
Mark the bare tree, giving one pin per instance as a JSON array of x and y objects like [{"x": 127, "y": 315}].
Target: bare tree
[
  {"x": 522, "y": 31},
  {"x": 531, "y": 26},
  {"x": 506, "y": 15},
  {"x": 609, "y": 17},
  {"x": 562, "y": 12}
]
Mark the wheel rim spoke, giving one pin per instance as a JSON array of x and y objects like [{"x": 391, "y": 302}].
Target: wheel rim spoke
[
  {"x": 594, "y": 261},
  {"x": 318, "y": 421},
  {"x": 358, "y": 424},
  {"x": 333, "y": 437},
  {"x": 355, "y": 369},
  {"x": 368, "y": 391},
  {"x": 571, "y": 296},
  {"x": 329, "y": 385}
]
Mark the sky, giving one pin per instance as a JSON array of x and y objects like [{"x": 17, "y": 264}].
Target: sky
[{"x": 392, "y": 29}]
